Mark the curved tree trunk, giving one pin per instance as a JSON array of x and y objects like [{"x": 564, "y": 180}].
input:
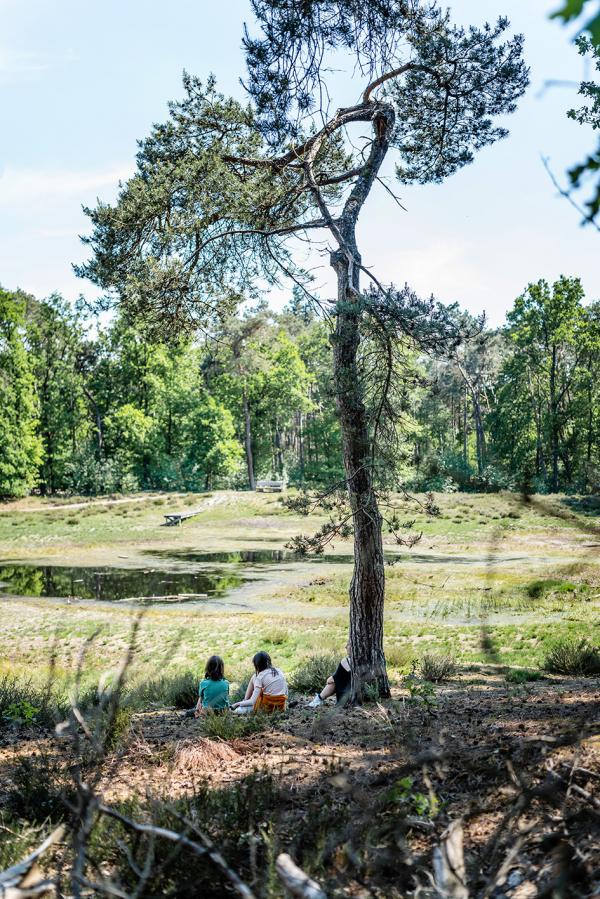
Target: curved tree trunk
[{"x": 367, "y": 587}]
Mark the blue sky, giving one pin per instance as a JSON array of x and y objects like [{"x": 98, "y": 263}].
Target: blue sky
[{"x": 81, "y": 82}]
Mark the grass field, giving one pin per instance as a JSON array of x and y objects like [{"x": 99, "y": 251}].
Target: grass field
[
  {"x": 493, "y": 579},
  {"x": 359, "y": 797}
]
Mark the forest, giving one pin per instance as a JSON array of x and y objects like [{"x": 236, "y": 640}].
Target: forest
[
  {"x": 92, "y": 408},
  {"x": 299, "y": 575}
]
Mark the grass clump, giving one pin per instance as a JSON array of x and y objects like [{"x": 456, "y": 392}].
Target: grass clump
[
  {"x": 228, "y": 726},
  {"x": 399, "y": 656},
  {"x": 178, "y": 690},
  {"x": 522, "y": 676},
  {"x": 41, "y": 789},
  {"x": 17, "y": 839},
  {"x": 276, "y": 636},
  {"x": 538, "y": 588},
  {"x": 118, "y": 727},
  {"x": 24, "y": 704},
  {"x": 570, "y": 656},
  {"x": 310, "y": 677},
  {"x": 437, "y": 668}
]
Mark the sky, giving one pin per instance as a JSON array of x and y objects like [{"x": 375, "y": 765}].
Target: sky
[{"x": 80, "y": 83}]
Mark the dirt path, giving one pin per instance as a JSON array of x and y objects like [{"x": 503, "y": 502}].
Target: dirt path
[{"x": 208, "y": 503}]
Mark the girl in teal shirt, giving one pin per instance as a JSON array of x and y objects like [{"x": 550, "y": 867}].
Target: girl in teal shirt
[{"x": 214, "y": 689}]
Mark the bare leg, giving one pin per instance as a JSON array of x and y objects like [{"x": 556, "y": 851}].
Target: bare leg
[
  {"x": 329, "y": 689},
  {"x": 250, "y": 688}
]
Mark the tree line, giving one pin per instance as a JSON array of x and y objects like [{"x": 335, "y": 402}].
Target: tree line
[{"x": 95, "y": 409}]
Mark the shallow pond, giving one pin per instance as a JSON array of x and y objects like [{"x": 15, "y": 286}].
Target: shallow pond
[
  {"x": 110, "y": 584},
  {"x": 244, "y": 556}
]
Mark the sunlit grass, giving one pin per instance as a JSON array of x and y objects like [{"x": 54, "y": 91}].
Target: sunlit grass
[{"x": 462, "y": 591}]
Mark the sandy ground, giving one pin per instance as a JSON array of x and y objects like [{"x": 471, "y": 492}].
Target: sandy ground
[{"x": 516, "y": 765}]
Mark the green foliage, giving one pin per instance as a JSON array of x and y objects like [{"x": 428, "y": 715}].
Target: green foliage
[
  {"x": 538, "y": 588},
  {"x": 413, "y": 802},
  {"x": 172, "y": 690},
  {"x": 310, "y": 677},
  {"x": 572, "y": 656},
  {"x": 437, "y": 668},
  {"x": 588, "y": 169},
  {"x": 522, "y": 676},
  {"x": 229, "y": 726},
  {"x": 22, "y": 712},
  {"x": 20, "y": 446},
  {"x": 41, "y": 788},
  {"x": 24, "y": 703},
  {"x": 421, "y": 693},
  {"x": 118, "y": 727},
  {"x": 239, "y": 819},
  {"x": 573, "y": 9},
  {"x": 17, "y": 840},
  {"x": 214, "y": 454}
]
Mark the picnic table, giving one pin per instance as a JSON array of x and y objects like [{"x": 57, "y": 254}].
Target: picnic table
[{"x": 177, "y": 517}]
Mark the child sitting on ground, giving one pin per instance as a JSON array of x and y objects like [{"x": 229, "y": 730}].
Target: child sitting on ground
[
  {"x": 267, "y": 689},
  {"x": 213, "y": 692}
]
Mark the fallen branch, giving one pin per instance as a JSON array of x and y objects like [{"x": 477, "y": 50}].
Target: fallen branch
[
  {"x": 216, "y": 858},
  {"x": 12, "y": 878},
  {"x": 449, "y": 864},
  {"x": 295, "y": 880}
]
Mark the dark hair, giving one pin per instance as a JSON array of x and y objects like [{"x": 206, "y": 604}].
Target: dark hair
[
  {"x": 262, "y": 661},
  {"x": 215, "y": 668}
]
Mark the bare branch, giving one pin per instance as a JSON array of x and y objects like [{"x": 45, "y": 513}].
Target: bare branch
[{"x": 295, "y": 880}]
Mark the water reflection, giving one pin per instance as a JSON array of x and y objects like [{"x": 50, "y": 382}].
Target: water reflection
[
  {"x": 113, "y": 583},
  {"x": 244, "y": 556}
]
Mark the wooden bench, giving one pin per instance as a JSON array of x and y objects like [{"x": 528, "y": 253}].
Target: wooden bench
[
  {"x": 267, "y": 486},
  {"x": 178, "y": 517}
]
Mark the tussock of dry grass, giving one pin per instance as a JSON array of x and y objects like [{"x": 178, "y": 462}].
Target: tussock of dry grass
[{"x": 202, "y": 754}]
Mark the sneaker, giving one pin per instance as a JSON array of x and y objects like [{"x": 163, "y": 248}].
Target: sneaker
[{"x": 316, "y": 702}]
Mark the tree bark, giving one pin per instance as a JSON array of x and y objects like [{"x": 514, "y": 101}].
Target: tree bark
[
  {"x": 367, "y": 586},
  {"x": 248, "y": 441},
  {"x": 98, "y": 417},
  {"x": 478, "y": 418},
  {"x": 554, "y": 420}
]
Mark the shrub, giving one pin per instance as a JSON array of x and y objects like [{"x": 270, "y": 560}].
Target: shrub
[
  {"x": 537, "y": 589},
  {"x": 179, "y": 690},
  {"x": 522, "y": 676},
  {"x": 230, "y": 815},
  {"x": 23, "y": 703},
  {"x": 398, "y": 656},
  {"x": 572, "y": 656},
  {"x": 119, "y": 727},
  {"x": 437, "y": 668},
  {"x": 229, "y": 726},
  {"x": 276, "y": 636},
  {"x": 310, "y": 677},
  {"x": 17, "y": 839},
  {"x": 41, "y": 789}
]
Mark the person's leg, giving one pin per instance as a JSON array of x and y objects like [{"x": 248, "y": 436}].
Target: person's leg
[
  {"x": 250, "y": 688},
  {"x": 243, "y": 710},
  {"x": 328, "y": 690}
]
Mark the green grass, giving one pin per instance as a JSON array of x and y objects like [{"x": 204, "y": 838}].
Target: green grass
[{"x": 500, "y": 585}]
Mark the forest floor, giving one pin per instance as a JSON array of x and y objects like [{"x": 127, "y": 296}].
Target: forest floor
[{"x": 359, "y": 797}]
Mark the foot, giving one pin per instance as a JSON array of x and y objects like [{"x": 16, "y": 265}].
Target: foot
[{"x": 316, "y": 702}]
